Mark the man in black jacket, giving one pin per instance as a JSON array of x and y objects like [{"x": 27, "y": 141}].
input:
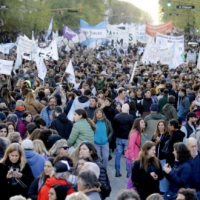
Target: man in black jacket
[
  {"x": 122, "y": 125},
  {"x": 92, "y": 107},
  {"x": 61, "y": 123}
]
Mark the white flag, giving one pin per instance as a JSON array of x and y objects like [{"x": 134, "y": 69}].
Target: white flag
[
  {"x": 6, "y": 67},
  {"x": 54, "y": 48},
  {"x": 67, "y": 49},
  {"x": 98, "y": 56},
  {"x": 49, "y": 30},
  {"x": 42, "y": 70},
  {"x": 18, "y": 61},
  {"x": 70, "y": 70},
  {"x": 198, "y": 63}
]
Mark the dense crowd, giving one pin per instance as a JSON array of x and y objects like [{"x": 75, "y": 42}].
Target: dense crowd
[{"x": 57, "y": 137}]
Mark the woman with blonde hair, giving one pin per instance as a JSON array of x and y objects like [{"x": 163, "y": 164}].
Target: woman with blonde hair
[
  {"x": 59, "y": 148},
  {"x": 17, "y": 172},
  {"x": 32, "y": 105},
  {"x": 20, "y": 83},
  {"x": 147, "y": 171},
  {"x": 40, "y": 148},
  {"x": 77, "y": 196}
]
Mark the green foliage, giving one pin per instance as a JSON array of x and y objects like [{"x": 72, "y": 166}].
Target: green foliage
[
  {"x": 186, "y": 18},
  {"x": 126, "y": 12}
]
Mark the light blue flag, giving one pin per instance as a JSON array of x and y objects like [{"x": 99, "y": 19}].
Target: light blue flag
[
  {"x": 93, "y": 32},
  {"x": 49, "y": 30}
]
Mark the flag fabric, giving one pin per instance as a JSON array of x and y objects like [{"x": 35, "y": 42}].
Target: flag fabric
[
  {"x": 93, "y": 33},
  {"x": 49, "y": 30},
  {"x": 6, "y": 67},
  {"x": 198, "y": 63},
  {"x": 68, "y": 33},
  {"x": 18, "y": 61},
  {"x": 70, "y": 70},
  {"x": 67, "y": 49},
  {"x": 118, "y": 51},
  {"x": 176, "y": 59},
  {"x": 42, "y": 70},
  {"x": 98, "y": 56},
  {"x": 55, "y": 35}
]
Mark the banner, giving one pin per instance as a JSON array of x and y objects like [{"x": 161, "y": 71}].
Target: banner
[
  {"x": 191, "y": 57},
  {"x": 176, "y": 59},
  {"x": 5, "y": 48},
  {"x": 152, "y": 30},
  {"x": 48, "y": 52},
  {"x": 93, "y": 33},
  {"x": 6, "y": 67},
  {"x": 151, "y": 53},
  {"x": 68, "y": 33},
  {"x": 164, "y": 41},
  {"x": 25, "y": 46}
]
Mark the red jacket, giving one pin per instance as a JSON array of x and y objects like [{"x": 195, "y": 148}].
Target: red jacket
[
  {"x": 43, "y": 193},
  {"x": 133, "y": 147}
]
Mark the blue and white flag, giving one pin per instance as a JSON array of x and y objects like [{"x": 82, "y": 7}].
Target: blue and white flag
[
  {"x": 93, "y": 32},
  {"x": 49, "y": 30}
]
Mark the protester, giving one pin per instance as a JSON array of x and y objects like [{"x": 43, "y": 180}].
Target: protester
[
  {"x": 102, "y": 135},
  {"x": 122, "y": 125},
  {"x": 178, "y": 176},
  {"x": 147, "y": 171},
  {"x": 92, "y": 107},
  {"x": 127, "y": 195},
  {"x": 187, "y": 194},
  {"x": 83, "y": 129}
]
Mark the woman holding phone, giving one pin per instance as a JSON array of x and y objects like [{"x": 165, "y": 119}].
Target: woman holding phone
[{"x": 17, "y": 174}]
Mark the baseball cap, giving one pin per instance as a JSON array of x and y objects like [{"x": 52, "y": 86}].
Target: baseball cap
[
  {"x": 63, "y": 166},
  {"x": 27, "y": 144},
  {"x": 3, "y": 106}
]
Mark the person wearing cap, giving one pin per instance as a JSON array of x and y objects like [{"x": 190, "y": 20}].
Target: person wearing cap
[
  {"x": 190, "y": 126},
  {"x": 62, "y": 173},
  {"x": 40, "y": 180},
  {"x": 152, "y": 120},
  {"x": 35, "y": 161}
]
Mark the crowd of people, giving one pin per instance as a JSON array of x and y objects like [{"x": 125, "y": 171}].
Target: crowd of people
[{"x": 57, "y": 137}]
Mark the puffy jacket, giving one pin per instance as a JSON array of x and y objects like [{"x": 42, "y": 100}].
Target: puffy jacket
[
  {"x": 81, "y": 131},
  {"x": 162, "y": 102},
  {"x": 103, "y": 179},
  {"x": 133, "y": 147},
  {"x": 179, "y": 176},
  {"x": 62, "y": 125},
  {"x": 169, "y": 111},
  {"x": 43, "y": 193},
  {"x": 35, "y": 161},
  {"x": 151, "y": 122}
]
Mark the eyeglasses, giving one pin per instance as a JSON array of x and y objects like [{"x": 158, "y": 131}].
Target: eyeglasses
[{"x": 65, "y": 148}]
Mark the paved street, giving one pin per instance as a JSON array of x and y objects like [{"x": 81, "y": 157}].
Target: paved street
[{"x": 116, "y": 183}]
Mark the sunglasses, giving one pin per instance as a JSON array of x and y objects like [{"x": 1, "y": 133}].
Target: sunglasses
[{"x": 65, "y": 148}]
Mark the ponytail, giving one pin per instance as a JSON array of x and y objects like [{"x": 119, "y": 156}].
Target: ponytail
[{"x": 92, "y": 124}]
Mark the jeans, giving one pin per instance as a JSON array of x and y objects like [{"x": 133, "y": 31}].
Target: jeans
[
  {"x": 121, "y": 145},
  {"x": 129, "y": 184},
  {"x": 103, "y": 152}
]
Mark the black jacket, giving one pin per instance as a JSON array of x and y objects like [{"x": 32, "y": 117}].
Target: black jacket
[
  {"x": 109, "y": 112},
  {"x": 34, "y": 189},
  {"x": 4, "y": 182},
  {"x": 63, "y": 125},
  {"x": 122, "y": 125},
  {"x": 159, "y": 147},
  {"x": 176, "y": 136},
  {"x": 90, "y": 111},
  {"x": 103, "y": 179},
  {"x": 13, "y": 186},
  {"x": 143, "y": 181},
  {"x": 145, "y": 105}
]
